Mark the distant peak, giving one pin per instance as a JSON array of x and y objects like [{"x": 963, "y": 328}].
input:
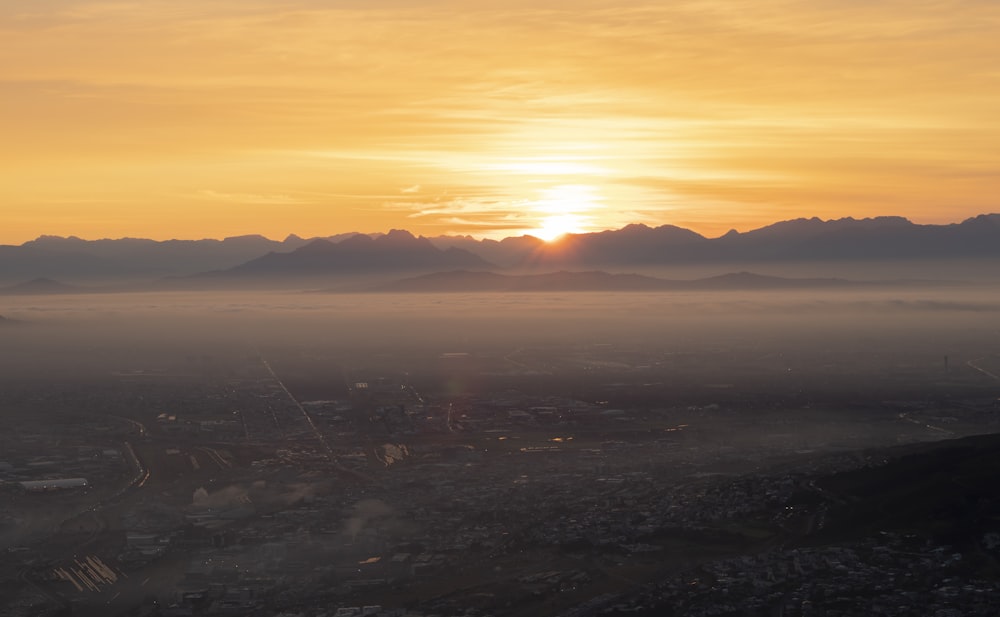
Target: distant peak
[
  {"x": 357, "y": 239},
  {"x": 319, "y": 244},
  {"x": 41, "y": 284},
  {"x": 636, "y": 227},
  {"x": 49, "y": 239},
  {"x": 983, "y": 218},
  {"x": 401, "y": 238},
  {"x": 520, "y": 239},
  {"x": 895, "y": 220},
  {"x": 244, "y": 238}
]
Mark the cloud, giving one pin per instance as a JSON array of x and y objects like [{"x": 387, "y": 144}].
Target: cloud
[
  {"x": 250, "y": 198},
  {"x": 483, "y": 216}
]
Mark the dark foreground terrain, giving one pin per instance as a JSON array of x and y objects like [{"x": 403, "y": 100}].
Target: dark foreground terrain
[{"x": 419, "y": 462}]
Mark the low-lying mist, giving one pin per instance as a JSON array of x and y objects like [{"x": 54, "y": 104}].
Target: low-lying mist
[{"x": 55, "y": 337}]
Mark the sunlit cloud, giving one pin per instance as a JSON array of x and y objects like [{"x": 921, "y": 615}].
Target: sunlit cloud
[
  {"x": 249, "y": 198},
  {"x": 541, "y": 167}
]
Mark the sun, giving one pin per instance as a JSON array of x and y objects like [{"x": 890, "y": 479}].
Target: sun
[
  {"x": 562, "y": 210},
  {"x": 555, "y": 227}
]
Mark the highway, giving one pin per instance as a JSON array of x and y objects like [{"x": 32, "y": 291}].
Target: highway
[
  {"x": 305, "y": 414},
  {"x": 330, "y": 456},
  {"x": 216, "y": 457},
  {"x": 972, "y": 364}
]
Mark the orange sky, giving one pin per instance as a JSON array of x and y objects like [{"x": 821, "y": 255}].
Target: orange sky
[{"x": 190, "y": 119}]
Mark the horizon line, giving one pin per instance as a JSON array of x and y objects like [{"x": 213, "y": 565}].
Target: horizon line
[{"x": 482, "y": 237}]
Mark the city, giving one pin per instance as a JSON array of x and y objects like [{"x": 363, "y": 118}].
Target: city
[{"x": 604, "y": 478}]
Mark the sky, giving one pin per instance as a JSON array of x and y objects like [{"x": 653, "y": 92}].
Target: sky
[{"x": 214, "y": 118}]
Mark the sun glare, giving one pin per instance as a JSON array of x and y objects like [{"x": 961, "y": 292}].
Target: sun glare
[
  {"x": 555, "y": 227},
  {"x": 562, "y": 210}
]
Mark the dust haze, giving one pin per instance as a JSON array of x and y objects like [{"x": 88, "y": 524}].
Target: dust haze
[
  {"x": 72, "y": 337},
  {"x": 310, "y": 451}
]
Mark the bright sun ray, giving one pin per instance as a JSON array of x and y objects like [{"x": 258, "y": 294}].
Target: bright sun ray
[
  {"x": 555, "y": 227},
  {"x": 563, "y": 210}
]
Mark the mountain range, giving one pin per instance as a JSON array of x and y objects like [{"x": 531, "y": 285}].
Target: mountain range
[
  {"x": 466, "y": 281},
  {"x": 256, "y": 260},
  {"x": 397, "y": 251},
  {"x": 43, "y": 287},
  {"x": 795, "y": 240},
  {"x": 134, "y": 259}
]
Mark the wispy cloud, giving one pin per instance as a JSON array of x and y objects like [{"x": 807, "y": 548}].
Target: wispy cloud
[{"x": 250, "y": 198}]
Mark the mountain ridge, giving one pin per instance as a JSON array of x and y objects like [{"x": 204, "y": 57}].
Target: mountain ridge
[
  {"x": 460, "y": 281},
  {"x": 801, "y": 240},
  {"x": 396, "y": 250}
]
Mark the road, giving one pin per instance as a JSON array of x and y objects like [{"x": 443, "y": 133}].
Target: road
[
  {"x": 328, "y": 451},
  {"x": 972, "y": 364}
]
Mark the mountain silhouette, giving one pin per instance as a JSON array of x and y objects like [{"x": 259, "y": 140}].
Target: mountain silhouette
[
  {"x": 133, "y": 259},
  {"x": 467, "y": 281},
  {"x": 396, "y": 251},
  {"x": 41, "y": 286},
  {"x": 799, "y": 240},
  {"x": 243, "y": 258},
  {"x": 861, "y": 239},
  {"x": 633, "y": 244}
]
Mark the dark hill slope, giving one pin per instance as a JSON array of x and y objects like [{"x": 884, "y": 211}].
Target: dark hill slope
[{"x": 948, "y": 490}]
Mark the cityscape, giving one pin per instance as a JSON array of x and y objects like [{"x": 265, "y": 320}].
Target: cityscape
[
  {"x": 343, "y": 464},
  {"x": 399, "y": 308}
]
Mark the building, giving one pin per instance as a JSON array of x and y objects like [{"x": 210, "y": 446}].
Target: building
[{"x": 55, "y": 484}]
